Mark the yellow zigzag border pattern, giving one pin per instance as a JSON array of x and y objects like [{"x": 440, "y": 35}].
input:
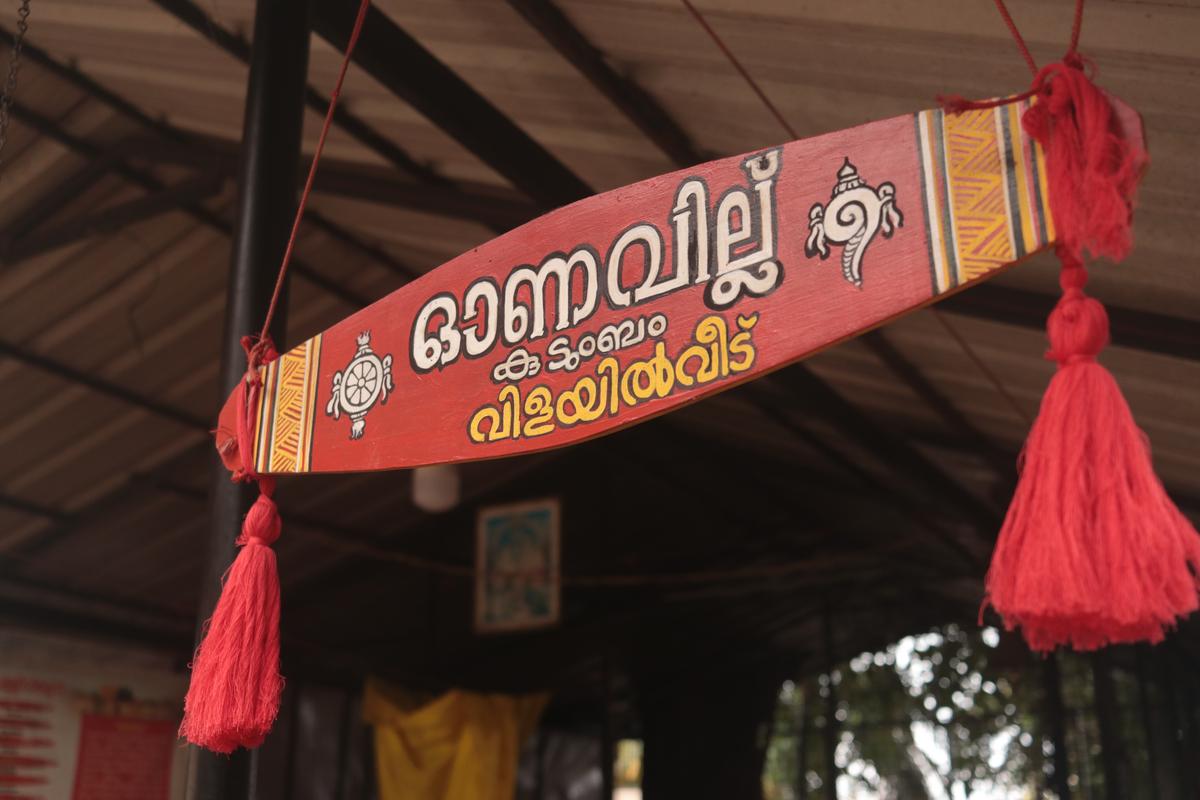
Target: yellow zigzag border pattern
[
  {"x": 287, "y": 410},
  {"x": 984, "y": 192}
]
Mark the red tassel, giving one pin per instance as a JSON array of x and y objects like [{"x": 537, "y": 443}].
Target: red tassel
[
  {"x": 1091, "y": 167},
  {"x": 234, "y": 694},
  {"x": 1092, "y": 551}
]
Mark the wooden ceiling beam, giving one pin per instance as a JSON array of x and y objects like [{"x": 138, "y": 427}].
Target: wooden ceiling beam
[
  {"x": 915, "y": 505},
  {"x": 633, "y": 101},
  {"x": 114, "y": 161},
  {"x": 43, "y": 614},
  {"x": 1149, "y": 331},
  {"x": 132, "y": 487},
  {"x": 932, "y": 484},
  {"x": 99, "y": 385},
  {"x": 1001, "y": 462},
  {"x": 196, "y": 18},
  {"x": 496, "y": 207},
  {"x": 47, "y": 204},
  {"x": 111, "y": 219},
  {"x": 75, "y": 601},
  {"x": 946, "y": 440},
  {"x": 31, "y": 508},
  {"x": 149, "y": 183},
  {"x": 398, "y": 62}
]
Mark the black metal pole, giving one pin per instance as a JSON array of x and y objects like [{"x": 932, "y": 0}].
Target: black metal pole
[{"x": 271, "y": 132}]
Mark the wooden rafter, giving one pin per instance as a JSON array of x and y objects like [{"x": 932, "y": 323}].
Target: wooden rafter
[
  {"x": 1130, "y": 327},
  {"x": 633, "y": 101},
  {"x": 398, "y": 62},
  {"x": 102, "y": 386},
  {"x": 196, "y": 18},
  {"x": 111, "y": 219},
  {"x": 496, "y": 207},
  {"x": 117, "y": 161},
  {"x": 827, "y": 404},
  {"x": 148, "y": 182}
]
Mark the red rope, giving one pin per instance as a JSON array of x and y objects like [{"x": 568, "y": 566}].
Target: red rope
[
  {"x": 1072, "y": 50},
  {"x": 1016, "y": 34},
  {"x": 1076, "y": 26},
  {"x": 738, "y": 66},
  {"x": 256, "y": 354},
  {"x": 956, "y": 104}
]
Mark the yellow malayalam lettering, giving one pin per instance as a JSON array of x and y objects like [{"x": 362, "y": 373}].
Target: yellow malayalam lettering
[{"x": 712, "y": 355}]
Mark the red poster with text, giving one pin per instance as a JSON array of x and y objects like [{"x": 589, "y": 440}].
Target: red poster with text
[{"x": 123, "y": 758}]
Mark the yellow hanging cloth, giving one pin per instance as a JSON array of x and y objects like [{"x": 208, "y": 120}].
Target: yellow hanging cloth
[{"x": 460, "y": 746}]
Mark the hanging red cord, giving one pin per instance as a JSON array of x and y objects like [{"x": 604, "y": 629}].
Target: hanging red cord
[
  {"x": 1076, "y": 27},
  {"x": 1020, "y": 40},
  {"x": 234, "y": 693},
  {"x": 312, "y": 170},
  {"x": 738, "y": 66}
]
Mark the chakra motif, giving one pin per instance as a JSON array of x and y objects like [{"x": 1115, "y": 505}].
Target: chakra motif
[
  {"x": 366, "y": 380},
  {"x": 856, "y": 212}
]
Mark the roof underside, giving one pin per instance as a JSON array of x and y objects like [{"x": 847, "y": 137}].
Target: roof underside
[{"x": 881, "y": 467}]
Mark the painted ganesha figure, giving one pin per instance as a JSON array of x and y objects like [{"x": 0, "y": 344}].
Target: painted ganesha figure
[{"x": 855, "y": 213}]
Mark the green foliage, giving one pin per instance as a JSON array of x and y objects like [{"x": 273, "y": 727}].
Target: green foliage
[{"x": 932, "y": 709}]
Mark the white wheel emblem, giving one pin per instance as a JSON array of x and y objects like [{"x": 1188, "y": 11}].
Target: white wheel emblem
[{"x": 366, "y": 380}]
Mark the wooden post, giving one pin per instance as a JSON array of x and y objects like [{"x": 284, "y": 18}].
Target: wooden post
[
  {"x": 539, "y": 778},
  {"x": 806, "y": 704},
  {"x": 1055, "y": 719},
  {"x": 1159, "y": 749},
  {"x": 702, "y": 731},
  {"x": 1182, "y": 676},
  {"x": 831, "y": 704},
  {"x": 1109, "y": 718},
  {"x": 271, "y": 131},
  {"x": 295, "y": 699},
  {"x": 608, "y": 755}
]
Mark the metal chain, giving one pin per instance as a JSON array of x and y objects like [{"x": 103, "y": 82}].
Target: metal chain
[{"x": 14, "y": 66}]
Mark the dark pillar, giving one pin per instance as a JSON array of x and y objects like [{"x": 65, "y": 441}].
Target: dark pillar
[
  {"x": 1108, "y": 716},
  {"x": 267, "y": 194},
  {"x": 1161, "y": 746},
  {"x": 831, "y": 704},
  {"x": 1054, "y": 717},
  {"x": 802, "y": 734},
  {"x": 1186, "y": 701},
  {"x": 703, "y": 733},
  {"x": 608, "y": 755}
]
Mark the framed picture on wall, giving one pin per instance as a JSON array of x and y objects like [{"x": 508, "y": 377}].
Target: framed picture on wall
[{"x": 517, "y": 566}]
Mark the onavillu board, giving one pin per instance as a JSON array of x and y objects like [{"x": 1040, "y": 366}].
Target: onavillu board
[{"x": 630, "y": 303}]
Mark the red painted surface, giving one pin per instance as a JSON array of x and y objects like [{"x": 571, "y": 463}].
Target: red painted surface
[
  {"x": 123, "y": 757},
  {"x": 427, "y": 419}
]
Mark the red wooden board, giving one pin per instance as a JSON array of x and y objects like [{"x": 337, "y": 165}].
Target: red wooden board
[{"x": 637, "y": 301}]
